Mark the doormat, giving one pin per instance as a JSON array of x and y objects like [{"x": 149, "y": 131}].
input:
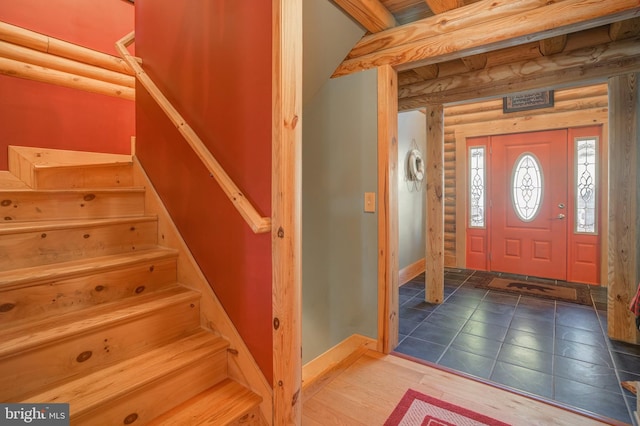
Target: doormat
[
  {"x": 418, "y": 409},
  {"x": 565, "y": 293}
]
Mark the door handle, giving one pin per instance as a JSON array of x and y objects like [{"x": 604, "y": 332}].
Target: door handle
[{"x": 561, "y": 216}]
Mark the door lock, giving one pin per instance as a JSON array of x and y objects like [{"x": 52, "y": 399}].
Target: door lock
[
  {"x": 561, "y": 216},
  {"x": 561, "y": 205}
]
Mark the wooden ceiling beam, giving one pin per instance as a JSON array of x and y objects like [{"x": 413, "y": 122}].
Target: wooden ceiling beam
[
  {"x": 581, "y": 66},
  {"x": 491, "y": 34},
  {"x": 440, "y": 6},
  {"x": 475, "y": 62},
  {"x": 428, "y": 71},
  {"x": 371, "y": 14},
  {"x": 553, "y": 45},
  {"x": 624, "y": 29},
  {"x": 441, "y": 24}
]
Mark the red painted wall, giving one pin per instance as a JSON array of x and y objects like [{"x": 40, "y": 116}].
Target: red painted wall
[
  {"x": 45, "y": 115},
  {"x": 94, "y": 24},
  {"x": 213, "y": 61}
]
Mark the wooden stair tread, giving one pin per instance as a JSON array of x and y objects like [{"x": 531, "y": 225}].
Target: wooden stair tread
[
  {"x": 49, "y": 225},
  {"x": 41, "y": 332},
  {"x": 115, "y": 381},
  {"x": 23, "y": 277},
  {"x": 9, "y": 182},
  {"x": 53, "y": 192},
  {"x": 222, "y": 404},
  {"x": 49, "y": 157}
]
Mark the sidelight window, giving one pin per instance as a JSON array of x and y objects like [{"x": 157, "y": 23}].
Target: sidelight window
[
  {"x": 526, "y": 184},
  {"x": 477, "y": 187},
  {"x": 586, "y": 152}
]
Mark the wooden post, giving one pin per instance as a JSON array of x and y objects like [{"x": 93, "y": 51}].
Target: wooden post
[
  {"x": 286, "y": 211},
  {"x": 388, "y": 262},
  {"x": 624, "y": 176},
  {"x": 434, "y": 251}
]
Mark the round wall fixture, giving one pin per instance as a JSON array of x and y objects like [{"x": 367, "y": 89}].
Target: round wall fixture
[{"x": 416, "y": 166}]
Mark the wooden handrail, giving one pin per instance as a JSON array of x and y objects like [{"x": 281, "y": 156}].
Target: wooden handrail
[{"x": 257, "y": 223}]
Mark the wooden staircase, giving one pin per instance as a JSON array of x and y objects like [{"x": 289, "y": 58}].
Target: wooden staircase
[{"x": 91, "y": 313}]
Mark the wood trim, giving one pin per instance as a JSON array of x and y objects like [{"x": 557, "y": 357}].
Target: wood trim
[
  {"x": 549, "y": 20},
  {"x": 461, "y": 199},
  {"x": 249, "y": 213},
  {"x": 242, "y": 367},
  {"x": 434, "y": 250},
  {"x": 286, "y": 204},
  {"x": 12, "y": 68},
  {"x": 409, "y": 272},
  {"x": 324, "y": 368},
  {"x": 36, "y": 41},
  {"x": 604, "y": 207},
  {"x": 624, "y": 115},
  {"x": 388, "y": 304},
  {"x": 30, "y": 56}
]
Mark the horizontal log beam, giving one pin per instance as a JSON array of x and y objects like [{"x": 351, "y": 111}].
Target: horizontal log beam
[
  {"x": 35, "y": 57},
  {"x": 491, "y": 34},
  {"x": 589, "y": 65},
  {"x": 12, "y": 68},
  {"x": 32, "y": 40},
  {"x": 567, "y": 95},
  {"x": 571, "y": 105},
  {"x": 445, "y": 23}
]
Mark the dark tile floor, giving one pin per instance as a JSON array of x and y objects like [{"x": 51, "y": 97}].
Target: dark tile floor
[{"x": 555, "y": 350}]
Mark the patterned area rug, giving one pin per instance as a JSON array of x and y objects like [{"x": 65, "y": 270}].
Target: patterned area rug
[
  {"x": 417, "y": 409},
  {"x": 575, "y": 294}
]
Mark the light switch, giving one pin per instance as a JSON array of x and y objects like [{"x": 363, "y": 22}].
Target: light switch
[{"x": 370, "y": 202}]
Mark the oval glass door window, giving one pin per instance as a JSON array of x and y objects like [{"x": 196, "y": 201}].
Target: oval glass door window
[{"x": 526, "y": 182}]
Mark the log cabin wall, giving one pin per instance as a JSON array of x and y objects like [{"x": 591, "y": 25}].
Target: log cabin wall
[
  {"x": 572, "y": 108},
  {"x": 45, "y": 115}
]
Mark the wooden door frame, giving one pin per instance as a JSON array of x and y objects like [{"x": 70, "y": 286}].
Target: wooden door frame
[{"x": 527, "y": 125}]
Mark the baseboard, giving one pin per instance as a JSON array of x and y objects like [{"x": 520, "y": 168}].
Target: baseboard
[
  {"x": 324, "y": 368},
  {"x": 409, "y": 272},
  {"x": 242, "y": 366}
]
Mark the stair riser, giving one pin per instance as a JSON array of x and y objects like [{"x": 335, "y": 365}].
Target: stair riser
[
  {"x": 154, "y": 399},
  {"x": 53, "y": 297},
  {"x": 39, "y": 205},
  {"x": 33, "y": 369},
  {"x": 107, "y": 176},
  {"x": 26, "y": 249}
]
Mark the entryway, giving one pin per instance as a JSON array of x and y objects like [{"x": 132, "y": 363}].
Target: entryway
[
  {"x": 558, "y": 351},
  {"x": 533, "y": 204}
]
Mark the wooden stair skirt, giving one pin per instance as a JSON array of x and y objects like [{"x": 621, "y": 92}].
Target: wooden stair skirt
[{"x": 91, "y": 313}]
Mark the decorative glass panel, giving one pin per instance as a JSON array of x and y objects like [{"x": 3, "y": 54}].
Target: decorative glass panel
[
  {"x": 586, "y": 184},
  {"x": 526, "y": 181},
  {"x": 477, "y": 187}
]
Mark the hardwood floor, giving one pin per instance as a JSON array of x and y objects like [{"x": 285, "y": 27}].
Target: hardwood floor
[{"x": 366, "y": 392}]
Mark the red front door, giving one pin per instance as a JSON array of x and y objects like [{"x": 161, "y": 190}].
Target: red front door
[{"x": 528, "y": 233}]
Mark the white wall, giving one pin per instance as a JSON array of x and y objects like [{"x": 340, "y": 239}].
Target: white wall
[
  {"x": 412, "y": 125},
  {"x": 339, "y": 240}
]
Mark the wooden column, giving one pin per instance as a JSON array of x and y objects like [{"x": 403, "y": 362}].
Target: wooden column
[
  {"x": 624, "y": 178},
  {"x": 286, "y": 203},
  {"x": 388, "y": 262},
  {"x": 434, "y": 252}
]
